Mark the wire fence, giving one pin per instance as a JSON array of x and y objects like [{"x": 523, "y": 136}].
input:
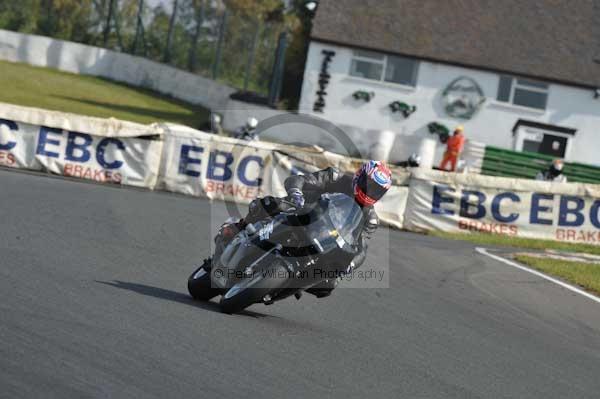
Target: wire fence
[{"x": 236, "y": 43}]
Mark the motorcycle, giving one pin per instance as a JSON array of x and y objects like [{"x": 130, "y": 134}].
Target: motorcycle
[
  {"x": 247, "y": 135},
  {"x": 282, "y": 256}
]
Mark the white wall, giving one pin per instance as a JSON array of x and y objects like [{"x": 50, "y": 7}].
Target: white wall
[
  {"x": 567, "y": 106},
  {"x": 89, "y": 60}
]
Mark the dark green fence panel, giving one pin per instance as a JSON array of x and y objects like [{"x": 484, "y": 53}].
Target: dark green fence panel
[{"x": 507, "y": 163}]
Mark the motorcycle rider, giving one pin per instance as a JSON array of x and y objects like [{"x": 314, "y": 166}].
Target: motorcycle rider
[
  {"x": 216, "y": 126},
  {"x": 554, "y": 173},
  {"x": 414, "y": 161},
  {"x": 248, "y": 131},
  {"x": 368, "y": 185}
]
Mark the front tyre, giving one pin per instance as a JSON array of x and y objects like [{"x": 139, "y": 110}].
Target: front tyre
[
  {"x": 252, "y": 291},
  {"x": 199, "y": 284}
]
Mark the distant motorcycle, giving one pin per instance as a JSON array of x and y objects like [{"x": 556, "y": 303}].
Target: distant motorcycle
[
  {"x": 282, "y": 256},
  {"x": 414, "y": 161},
  {"x": 247, "y": 132}
]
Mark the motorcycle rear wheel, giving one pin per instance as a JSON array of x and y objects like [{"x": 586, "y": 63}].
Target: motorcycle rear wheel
[{"x": 199, "y": 284}]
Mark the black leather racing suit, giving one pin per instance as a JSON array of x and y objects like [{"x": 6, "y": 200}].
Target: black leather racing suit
[{"x": 312, "y": 186}]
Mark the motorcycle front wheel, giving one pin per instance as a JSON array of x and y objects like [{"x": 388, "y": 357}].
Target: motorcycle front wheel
[{"x": 254, "y": 290}]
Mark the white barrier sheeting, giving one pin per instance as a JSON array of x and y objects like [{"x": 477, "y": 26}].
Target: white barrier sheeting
[
  {"x": 512, "y": 207},
  {"x": 17, "y": 145},
  {"x": 76, "y": 123},
  {"x": 33, "y": 141},
  {"x": 391, "y": 208},
  {"x": 200, "y": 164},
  {"x": 187, "y": 161},
  {"x": 128, "y": 161}
]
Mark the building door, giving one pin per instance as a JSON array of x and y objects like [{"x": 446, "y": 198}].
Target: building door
[
  {"x": 543, "y": 143},
  {"x": 555, "y": 146},
  {"x": 543, "y": 139}
]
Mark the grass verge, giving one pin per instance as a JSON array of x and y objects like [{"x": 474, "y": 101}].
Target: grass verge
[
  {"x": 529, "y": 243},
  {"x": 91, "y": 96},
  {"x": 586, "y": 275}
]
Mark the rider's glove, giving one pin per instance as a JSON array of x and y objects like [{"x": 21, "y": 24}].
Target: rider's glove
[{"x": 296, "y": 197}]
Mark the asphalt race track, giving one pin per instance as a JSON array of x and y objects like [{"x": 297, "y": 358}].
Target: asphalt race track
[{"x": 94, "y": 304}]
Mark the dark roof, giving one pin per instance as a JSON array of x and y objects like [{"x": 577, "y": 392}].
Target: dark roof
[{"x": 558, "y": 40}]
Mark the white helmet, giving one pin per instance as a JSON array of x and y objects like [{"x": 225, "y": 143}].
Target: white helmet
[
  {"x": 414, "y": 160},
  {"x": 251, "y": 123}
]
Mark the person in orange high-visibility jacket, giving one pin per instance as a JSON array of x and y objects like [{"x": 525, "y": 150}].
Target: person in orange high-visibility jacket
[{"x": 454, "y": 147}]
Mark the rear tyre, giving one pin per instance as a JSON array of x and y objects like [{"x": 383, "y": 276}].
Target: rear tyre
[{"x": 199, "y": 284}]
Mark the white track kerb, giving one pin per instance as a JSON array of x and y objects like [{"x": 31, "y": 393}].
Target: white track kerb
[
  {"x": 485, "y": 252},
  {"x": 183, "y": 160}
]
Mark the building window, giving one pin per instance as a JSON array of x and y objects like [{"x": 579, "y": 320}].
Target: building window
[
  {"x": 524, "y": 92},
  {"x": 384, "y": 68}
]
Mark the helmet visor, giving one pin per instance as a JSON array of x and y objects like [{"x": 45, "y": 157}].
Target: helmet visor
[{"x": 371, "y": 188}]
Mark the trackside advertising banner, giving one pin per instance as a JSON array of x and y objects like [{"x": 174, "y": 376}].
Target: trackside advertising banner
[
  {"x": 391, "y": 208},
  {"x": 105, "y": 159},
  {"x": 187, "y": 161},
  {"x": 128, "y": 161},
  {"x": 17, "y": 145},
  {"x": 512, "y": 207},
  {"x": 205, "y": 165},
  {"x": 201, "y": 164},
  {"x": 169, "y": 157}
]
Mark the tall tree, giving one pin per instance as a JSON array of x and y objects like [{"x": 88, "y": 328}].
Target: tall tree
[
  {"x": 199, "y": 7},
  {"x": 255, "y": 9},
  {"x": 253, "y": 28},
  {"x": 109, "y": 21},
  {"x": 157, "y": 32},
  {"x": 20, "y": 15},
  {"x": 65, "y": 19},
  {"x": 299, "y": 23},
  {"x": 167, "y": 56},
  {"x": 139, "y": 26}
]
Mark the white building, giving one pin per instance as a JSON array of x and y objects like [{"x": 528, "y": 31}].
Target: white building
[{"x": 520, "y": 75}]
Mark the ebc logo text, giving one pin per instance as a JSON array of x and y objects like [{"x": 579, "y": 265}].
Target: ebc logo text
[
  {"x": 78, "y": 154},
  {"x": 221, "y": 169}
]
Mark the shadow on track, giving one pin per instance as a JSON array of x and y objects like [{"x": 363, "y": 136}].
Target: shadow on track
[{"x": 173, "y": 296}]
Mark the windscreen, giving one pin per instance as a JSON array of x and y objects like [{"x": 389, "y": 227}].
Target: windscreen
[
  {"x": 335, "y": 222},
  {"x": 345, "y": 215}
]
